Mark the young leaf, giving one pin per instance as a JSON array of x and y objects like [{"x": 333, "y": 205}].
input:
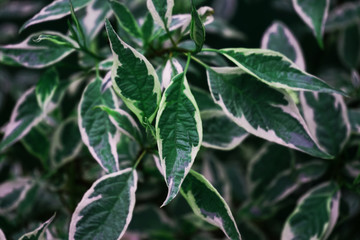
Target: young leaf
[
  {"x": 126, "y": 19},
  {"x": 171, "y": 69},
  {"x": 161, "y": 11},
  {"x": 278, "y": 37},
  {"x": 327, "y": 118},
  {"x": 38, "y": 233},
  {"x": 343, "y": 16},
  {"x": 354, "y": 118},
  {"x": 315, "y": 215},
  {"x": 219, "y": 131},
  {"x": 207, "y": 203},
  {"x": 147, "y": 27},
  {"x": 12, "y": 193},
  {"x": 134, "y": 78},
  {"x": 178, "y": 133},
  {"x": 96, "y": 129},
  {"x": 124, "y": 122},
  {"x": 56, "y": 10},
  {"x": 37, "y": 53},
  {"x": 275, "y": 69},
  {"x": 66, "y": 143},
  {"x": 348, "y": 46},
  {"x": 46, "y": 86},
  {"x": 106, "y": 209},
  {"x": 314, "y": 14},
  {"x": 197, "y": 29},
  {"x": 261, "y": 110}
]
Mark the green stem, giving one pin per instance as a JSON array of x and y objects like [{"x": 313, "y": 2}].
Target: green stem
[
  {"x": 200, "y": 62},
  {"x": 142, "y": 154},
  {"x": 85, "y": 50},
  {"x": 171, "y": 39},
  {"x": 187, "y": 63},
  {"x": 210, "y": 50}
]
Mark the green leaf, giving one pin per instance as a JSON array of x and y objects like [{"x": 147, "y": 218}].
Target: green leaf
[
  {"x": 315, "y": 215},
  {"x": 35, "y": 52},
  {"x": 275, "y": 69},
  {"x": 37, "y": 143},
  {"x": 327, "y": 118},
  {"x": 56, "y": 10},
  {"x": 207, "y": 203},
  {"x": 178, "y": 133},
  {"x": 46, "y": 87},
  {"x": 124, "y": 122},
  {"x": 106, "y": 64},
  {"x": 66, "y": 143},
  {"x": 97, "y": 131},
  {"x": 261, "y": 110},
  {"x": 343, "y": 16},
  {"x": 348, "y": 46},
  {"x": 38, "y": 233},
  {"x": 278, "y": 37},
  {"x": 106, "y": 209},
  {"x": 171, "y": 69},
  {"x": 161, "y": 11},
  {"x": 147, "y": 27},
  {"x": 12, "y": 193},
  {"x": 134, "y": 78},
  {"x": 197, "y": 29},
  {"x": 126, "y": 19},
  {"x": 314, "y": 14},
  {"x": 204, "y": 100},
  {"x": 354, "y": 118},
  {"x": 220, "y": 132}
]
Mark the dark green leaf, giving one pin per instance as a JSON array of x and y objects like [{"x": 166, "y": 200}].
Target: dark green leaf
[
  {"x": 197, "y": 29},
  {"x": 46, "y": 87}
]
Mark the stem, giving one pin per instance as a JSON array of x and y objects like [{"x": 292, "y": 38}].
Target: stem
[
  {"x": 200, "y": 62},
  {"x": 85, "y": 50},
  {"x": 139, "y": 158},
  {"x": 171, "y": 39},
  {"x": 210, "y": 50},
  {"x": 187, "y": 63}
]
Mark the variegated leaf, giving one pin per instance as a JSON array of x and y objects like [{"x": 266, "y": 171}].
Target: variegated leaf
[
  {"x": 37, "y": 143},
  {"x": 106, "y": 209},
  {"x": 37, "y": 52},
  {"x": 204, "y": 100},
  {"x": 126, "y": 19},
  {"x": 46, "y": 86},
  {"x": 220, "y": 132},
  {"x": 124, "y": 122},
  {"x": 147, "y": 28},
  {"x": 207, "y": 203},
  {"x": 197, "y": 29},
  {"x": 327, "y": 118},
  {"x": 12, "y": 193},
  {"x": 97, "y": 131},
  {"x": 66, "y": 142},
  {"x": 39, "y": 233},
  {"x": 261, "y": 110},
  {"x": 161, "y": 11},
  {"x": 314, "y": 13},
  {"x": 354, "y": 118},
  {"x": 315, "y": 215},
  {"x": 343, "y": 16},
  {"x": 278, "y": 37},
  {"x": 55, "y": 10},
  {"x": 2, "y": 235},
  {"x": 134, "y": 78},
  {"x": 178, "y": 133},
  {"x": 275, "y": 69},
  {"x": 171, "y": 69},
  {"x": 349, "y": 47},
  {"x": 106, "y": 64}
]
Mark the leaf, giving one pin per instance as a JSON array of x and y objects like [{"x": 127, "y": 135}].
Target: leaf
[
  {"x": 278, "y": 37},
  {"x": 37, "y": 143},
  {"x": 220, "y": 132},
  {"x": 327, "y": 118},
  {"x": 56, "y": 10},
  {"x": 134, "y": 78},
  {"x": 96, "y": 129},
  {"x": 275, "y": 69},
  {"x": 126, "y": 19},
  {"x": 106, "y": 64},
  {"x": 197, "y": 29},
  {"x": 38, "y": 233},
  {"x": 261, "y": 110},
  {"x": 46, "y": 86},
  {"x": 348, "y": 46},
  {"x": 204, "y": 100},
  {"x": 207, "y": 203},
  {"x": 171, "y": 69},
  {"x": 343, "y": 16},
  {"x": 2, "y": 235},
  {"x": 315, "y": 215},
  {"x": 66, "y": 143},
  {"x": 37, "y": 53},
  {"x": 354, "y": 118},
  {"x": 124, "y": 122},
  {"x": 12, "y": 193},
  {"x": 161, "y": 11},
  {"x": 147, "y": 27},
  {"x": 106, "y": 209},
  {"x": 314, "y": 14},
  {"x": 178, "y": 133}
]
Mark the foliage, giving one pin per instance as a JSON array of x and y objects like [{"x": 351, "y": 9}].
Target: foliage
[{"x": 260, "y": 143}]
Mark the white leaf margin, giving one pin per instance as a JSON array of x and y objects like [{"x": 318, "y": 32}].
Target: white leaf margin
[
  {"x": 42, "y": 228},
  {"x": 157, "y": 18}
]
